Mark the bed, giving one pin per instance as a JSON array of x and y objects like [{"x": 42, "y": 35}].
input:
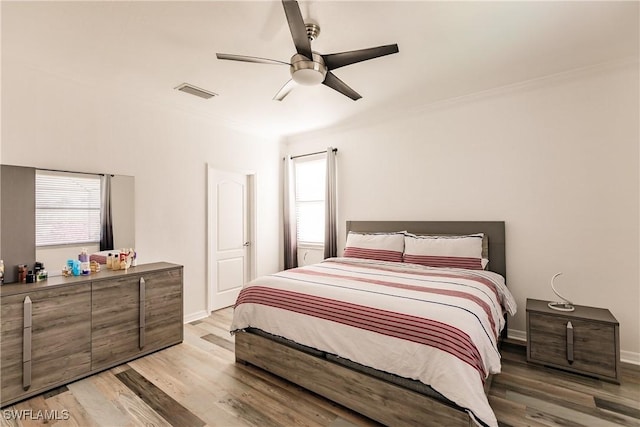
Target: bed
[{"x": 399, "y": 342}]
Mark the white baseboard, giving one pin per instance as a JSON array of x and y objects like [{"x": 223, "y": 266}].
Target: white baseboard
[
  {"x": 514, "y": 334},
  {"x": 195, "y": 316},
  {"x": 630, "y": 357}
]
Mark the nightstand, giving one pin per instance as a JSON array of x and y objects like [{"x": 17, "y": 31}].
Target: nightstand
[{"x": 584, "y": 341}]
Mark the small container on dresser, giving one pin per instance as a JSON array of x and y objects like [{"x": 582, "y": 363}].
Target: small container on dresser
[{"x": 584, "y": 341}]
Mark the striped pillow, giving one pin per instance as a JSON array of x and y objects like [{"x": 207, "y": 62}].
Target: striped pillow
[
  {"x": 445, "y": 251},
  {"x": 377, "y": 246}
]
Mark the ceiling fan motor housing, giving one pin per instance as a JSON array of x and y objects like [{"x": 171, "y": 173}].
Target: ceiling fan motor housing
[{"x": 308, "y": 72}]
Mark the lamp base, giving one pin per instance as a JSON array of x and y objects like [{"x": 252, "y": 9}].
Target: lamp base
[{"x": 561, "y": 306}]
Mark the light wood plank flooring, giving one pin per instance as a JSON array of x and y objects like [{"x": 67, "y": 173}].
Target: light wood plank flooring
[{"x": 198, "y": 384}]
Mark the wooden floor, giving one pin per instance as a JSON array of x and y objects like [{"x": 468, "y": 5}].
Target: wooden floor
[{"x": 197, "y": 383}]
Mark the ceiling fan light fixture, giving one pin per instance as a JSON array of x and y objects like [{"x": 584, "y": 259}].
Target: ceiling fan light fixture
[
  {"x": 307, "y": 77},
  {"x": 308, "y": 72}
]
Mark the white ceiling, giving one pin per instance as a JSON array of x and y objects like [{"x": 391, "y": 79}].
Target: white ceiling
[{"x": 447, "y": 49}]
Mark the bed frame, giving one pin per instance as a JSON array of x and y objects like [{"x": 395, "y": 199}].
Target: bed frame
[{"x": 388, "y": 402}]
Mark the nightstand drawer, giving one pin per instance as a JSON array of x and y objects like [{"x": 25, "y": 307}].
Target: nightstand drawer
[
  {"x": 573, "y": 342},
  {"x": 593, "y": 344}
]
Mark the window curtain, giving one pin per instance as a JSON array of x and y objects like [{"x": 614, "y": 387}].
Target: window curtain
[
  {"x": 330, "y": 222},
  {"x": 290, "y": 231},
  {"x": 106, "y": 222}
]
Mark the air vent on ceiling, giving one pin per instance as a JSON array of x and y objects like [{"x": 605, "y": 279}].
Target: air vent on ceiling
[{"x": 193, "y": 90}]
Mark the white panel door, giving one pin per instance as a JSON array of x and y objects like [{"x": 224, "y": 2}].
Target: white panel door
[{"x": 228, "y": 237}]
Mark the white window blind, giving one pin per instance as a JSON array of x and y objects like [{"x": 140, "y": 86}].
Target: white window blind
[
  {"x": 67, "y": 208},
  {"x": 310, "y": 193}
]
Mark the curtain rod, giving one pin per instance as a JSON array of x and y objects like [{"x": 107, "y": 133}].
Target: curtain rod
[
  {"x": 81, "y": 173},
  {"x": 335, "y": 150}
]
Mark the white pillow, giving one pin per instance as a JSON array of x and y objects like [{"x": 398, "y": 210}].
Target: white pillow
[
  {"x": 445, "y": 251},
  {"x": 377, "y": 246}
]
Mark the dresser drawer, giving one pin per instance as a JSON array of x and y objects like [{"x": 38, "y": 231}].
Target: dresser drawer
[{"x": 573, "y": 343}]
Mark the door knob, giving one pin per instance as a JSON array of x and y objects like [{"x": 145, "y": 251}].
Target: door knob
[{"x": 246, "y": 244}]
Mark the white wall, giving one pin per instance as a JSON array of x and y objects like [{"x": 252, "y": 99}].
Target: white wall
[
  {"x": 310, "y": 254},
  {"x": 556, "y": 159},
  {"x": 52, "y": 122}
]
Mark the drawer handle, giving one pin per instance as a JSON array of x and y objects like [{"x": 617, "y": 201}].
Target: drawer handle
[
  {"x": 26, "y": 345},
  {"x": 142, "y": 312},
  {"x": 569, "y": 342}
]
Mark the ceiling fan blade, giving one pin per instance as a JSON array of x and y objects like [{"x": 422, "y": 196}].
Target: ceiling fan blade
[
  {"x": 284, "y": 90},
  {"x": 250, "y": 59},
  {"x": 298, "y": 30},
  {"x": 337, "y": 60},
  {"x": 336, "y": 84}
]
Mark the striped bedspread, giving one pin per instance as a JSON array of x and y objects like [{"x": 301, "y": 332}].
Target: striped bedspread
[{"x": 436, "y": 325}]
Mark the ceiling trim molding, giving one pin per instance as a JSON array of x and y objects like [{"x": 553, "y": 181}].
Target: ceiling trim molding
[
  {"x": 527, "y": 84},
  {"x": 381, "y": 116}
]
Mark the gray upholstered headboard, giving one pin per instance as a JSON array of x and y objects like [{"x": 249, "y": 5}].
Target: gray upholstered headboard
[{"x": 493, "y": 229}]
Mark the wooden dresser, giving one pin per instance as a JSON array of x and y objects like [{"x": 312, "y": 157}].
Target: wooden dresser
[
  {"x": 65, "y": 328},
  {"x": 584, "y": 341}
]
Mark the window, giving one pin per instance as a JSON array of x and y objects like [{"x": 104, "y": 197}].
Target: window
[
  {"x": 310, "y": 192},
  {"x": 67, "y": 208}
]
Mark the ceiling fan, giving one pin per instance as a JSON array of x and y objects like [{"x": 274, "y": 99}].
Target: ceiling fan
[{"x": 311, "y": 68}]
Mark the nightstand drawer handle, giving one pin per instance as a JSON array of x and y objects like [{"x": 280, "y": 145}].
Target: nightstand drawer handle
[{"x": 570, "y": 342}]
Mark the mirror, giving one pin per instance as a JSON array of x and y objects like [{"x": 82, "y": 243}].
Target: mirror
[
  {"x": 18, "y": 220},
  {"x": 54, "y": 256}
]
